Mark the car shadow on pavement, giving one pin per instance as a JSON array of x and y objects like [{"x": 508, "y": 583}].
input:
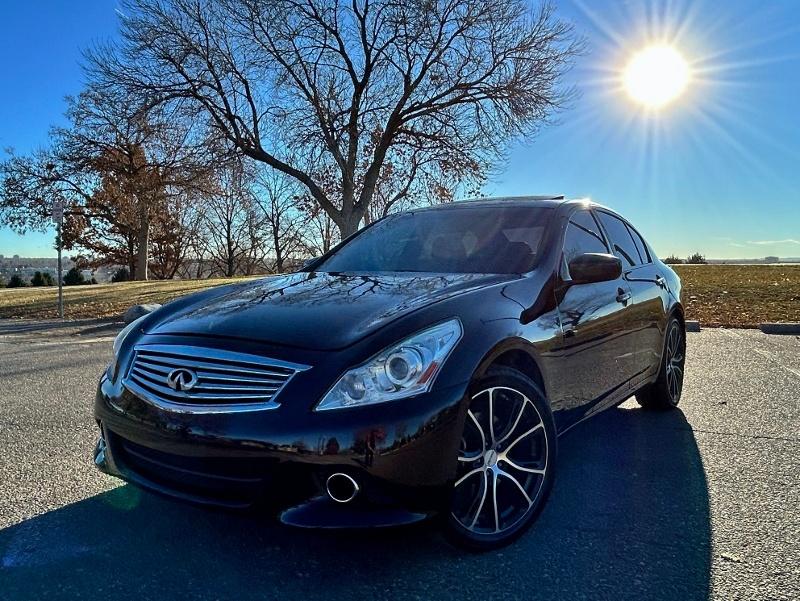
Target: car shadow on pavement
[{"x": 628, "y": 519}]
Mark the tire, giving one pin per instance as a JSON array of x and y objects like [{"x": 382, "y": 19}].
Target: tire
[
  {"x": 665, "y": 392},
  {"x": 506, "y": 462}
]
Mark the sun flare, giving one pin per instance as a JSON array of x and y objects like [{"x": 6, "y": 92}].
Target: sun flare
[{"x": 656, "y": 76}]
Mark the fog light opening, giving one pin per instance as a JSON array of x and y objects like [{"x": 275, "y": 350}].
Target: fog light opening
[{"x": 341, "y": 487}]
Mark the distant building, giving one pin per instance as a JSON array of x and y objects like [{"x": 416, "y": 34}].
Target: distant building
[{"x": 772, "y": 259}]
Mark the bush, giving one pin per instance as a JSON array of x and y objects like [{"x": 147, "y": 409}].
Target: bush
[
  {"x": 74, "y": 277},
  {"x": 121, "y": 275},
  {"x": 16, "y": 282},
  {"x": 673, "y": 260},
  {"x": 696, "y": 259},
  {"x": 42, "y": 279}
]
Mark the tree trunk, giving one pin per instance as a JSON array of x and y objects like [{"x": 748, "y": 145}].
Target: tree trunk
[
  {"x": 142, "y": 243},
  {"x": 276, "y": 244},
  {"x": 349, "y": 224}
]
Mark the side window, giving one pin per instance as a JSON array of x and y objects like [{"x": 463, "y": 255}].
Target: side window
[
  {"x": 621, "y": 240},
  {"x": 640, "y": 245},
  {"x": 582, "y": 236}
]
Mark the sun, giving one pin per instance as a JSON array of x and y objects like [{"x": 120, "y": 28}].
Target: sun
[{"x": 656, "y": 75}]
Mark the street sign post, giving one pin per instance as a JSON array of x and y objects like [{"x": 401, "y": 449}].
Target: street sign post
[{"x": 58, "y": 218}]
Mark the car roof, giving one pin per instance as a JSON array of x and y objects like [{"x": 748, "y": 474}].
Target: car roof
[{"x": 551, "y": 201}]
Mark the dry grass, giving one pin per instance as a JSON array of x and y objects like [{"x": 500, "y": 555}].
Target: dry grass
[
  {"x": 100, "y": 300},
  {"x": 716, "y": 295},
  {"x": 741, "y": 296}
]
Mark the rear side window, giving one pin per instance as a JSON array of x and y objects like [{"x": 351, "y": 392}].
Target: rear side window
[
  {"x": 582, "y": 236},
  {"x": 640, "y": 245},
  {"x": 621, "y": 241}
]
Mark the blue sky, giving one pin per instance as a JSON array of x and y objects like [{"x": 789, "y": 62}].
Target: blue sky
[{"x": 717, "y": 171}]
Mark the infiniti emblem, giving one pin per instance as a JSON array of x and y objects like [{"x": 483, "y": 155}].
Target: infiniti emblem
[{"x": 181, "y": 379}]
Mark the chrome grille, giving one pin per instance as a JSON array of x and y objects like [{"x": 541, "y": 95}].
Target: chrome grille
[{"x": 211, "y": 380}]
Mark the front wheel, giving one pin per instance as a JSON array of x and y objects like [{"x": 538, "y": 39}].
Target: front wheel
[
  {"x": 506, "y": 463},
  {"x": 665, "y": 392}
]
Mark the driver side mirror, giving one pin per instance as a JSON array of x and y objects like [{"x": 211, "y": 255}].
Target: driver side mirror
[{"x": 594, "y": 267}]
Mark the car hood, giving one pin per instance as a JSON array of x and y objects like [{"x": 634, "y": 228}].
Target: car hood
[{"x": 314, "y": 310}]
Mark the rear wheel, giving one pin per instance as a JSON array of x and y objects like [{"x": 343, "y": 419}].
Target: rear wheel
[
  {"x": 665, "y": 392},
  {"x": 506, "y": 462}
]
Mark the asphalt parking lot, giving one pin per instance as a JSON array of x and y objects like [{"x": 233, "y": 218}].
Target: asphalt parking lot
[{"x": 703, "y": 502}]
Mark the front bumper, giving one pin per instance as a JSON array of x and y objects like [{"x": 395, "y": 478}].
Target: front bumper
[{"x": 401, "y": 454}]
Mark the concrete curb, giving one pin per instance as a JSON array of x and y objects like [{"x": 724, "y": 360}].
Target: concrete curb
[
  {"x": 692, "y": 325},
  {"x": 780, "y": 328}
]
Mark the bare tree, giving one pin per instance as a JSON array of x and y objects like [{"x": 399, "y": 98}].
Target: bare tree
[
  {"x": 118, "y": 167},
  {"x": 349, "y": 86},
  {"x": 227, "y": 221},
  {"x": 284, "y": 221},
  {"x": 320, "y": 233}
]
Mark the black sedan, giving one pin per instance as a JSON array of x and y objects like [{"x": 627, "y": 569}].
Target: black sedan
[{"x": 425, "y": 366}]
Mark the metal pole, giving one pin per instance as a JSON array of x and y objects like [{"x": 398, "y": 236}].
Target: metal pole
[{"x": 60, "y": 279}]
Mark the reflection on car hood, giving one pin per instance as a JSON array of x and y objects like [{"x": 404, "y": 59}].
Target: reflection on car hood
[{"x": 320, "y": 311}]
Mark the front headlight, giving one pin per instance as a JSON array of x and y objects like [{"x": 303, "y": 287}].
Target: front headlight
[{"x": 402, "y": 370}]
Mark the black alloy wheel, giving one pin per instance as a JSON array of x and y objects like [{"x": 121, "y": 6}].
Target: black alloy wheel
[
  {"x": 506, "y": 461},
  {"x": 665, "y": 392}
]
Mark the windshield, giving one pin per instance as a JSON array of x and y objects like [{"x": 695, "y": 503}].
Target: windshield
[{"x": 464, "y": 240}]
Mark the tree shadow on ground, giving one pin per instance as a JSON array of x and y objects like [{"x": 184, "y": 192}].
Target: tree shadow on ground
[{"x": 628, "y": 519}]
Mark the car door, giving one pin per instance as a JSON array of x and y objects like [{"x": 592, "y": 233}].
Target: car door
[
  {"x": 648, "y": 294},
  {"x": 595, "y": 352}
]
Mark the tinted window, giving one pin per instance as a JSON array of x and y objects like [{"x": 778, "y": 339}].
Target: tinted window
[
  {"x": 621, "y": 241},
  {"x": 455, "y": 240},
  {"x": 582, "y": 236},
  {"x": 640, "y": 245}
]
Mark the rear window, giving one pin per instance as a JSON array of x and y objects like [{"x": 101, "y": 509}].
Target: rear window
[
  {"x": 640, "y": 245},
  {"x": 621, "y": 240}
]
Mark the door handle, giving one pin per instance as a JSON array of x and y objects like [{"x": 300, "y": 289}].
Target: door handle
[
  {"x": 622, "y": 296},
  {"x": 661, "y": 281}
]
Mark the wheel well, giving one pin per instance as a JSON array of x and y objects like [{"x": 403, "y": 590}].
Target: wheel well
[{"x": 523, "y": 362}]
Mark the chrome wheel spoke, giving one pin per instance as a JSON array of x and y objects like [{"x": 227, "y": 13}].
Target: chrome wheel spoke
[
  {"x": 672, "y": 381},
  {"x": 515, "y": 481},
  {"x": 480, "y": 430},
  {"x": 482, "y": 501},
  {"x": 491, "y": 414},
  {"x": 673, "y": 342},
  {"x": 494, "y": 502},
  {"x": 521, "y": 436},
  {"x": 513, "y": 428},
  {"x": 530, "y": 470},
  {"x": 477, "y": 470}
]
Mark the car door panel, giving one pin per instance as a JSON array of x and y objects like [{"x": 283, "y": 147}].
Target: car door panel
[
  {"x": 595, "y": 349},
  {"x": 645, "y": 314},
  {"x": 648, "y": 311},
  {"x": 595, "y": 346}
]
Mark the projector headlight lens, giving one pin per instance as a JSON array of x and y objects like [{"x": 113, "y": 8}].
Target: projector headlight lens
[{"x": 405, "y": 369}]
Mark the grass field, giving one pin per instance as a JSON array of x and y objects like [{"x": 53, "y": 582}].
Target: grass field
[
  {"x": 100, "y": 300},
  {"x": 741, "y": 296},
  {"x": 717, "y": 295}
]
